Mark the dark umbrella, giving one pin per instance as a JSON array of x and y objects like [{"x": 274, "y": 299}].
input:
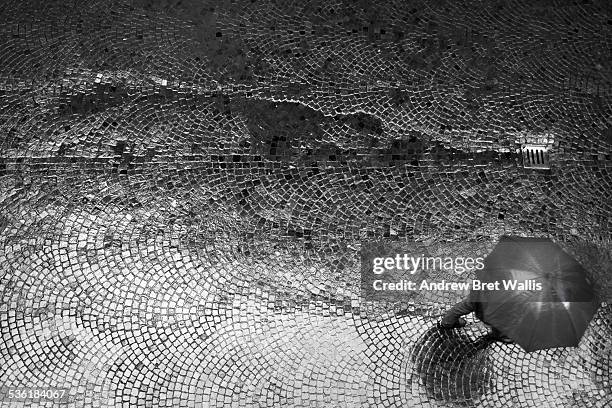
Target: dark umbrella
[{"x": 543, "y": 297}]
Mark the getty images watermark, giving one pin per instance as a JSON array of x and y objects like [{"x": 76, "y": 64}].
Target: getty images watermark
[{"x": 393, "y": 271}]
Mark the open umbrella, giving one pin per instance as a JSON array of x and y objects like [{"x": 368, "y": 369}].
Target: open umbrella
[{"x": 535, "y": 293}]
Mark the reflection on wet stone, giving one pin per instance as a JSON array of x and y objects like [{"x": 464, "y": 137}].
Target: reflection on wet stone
[
  {"x": 186, "y": 188},
  {"x": 452, "y": 367}
]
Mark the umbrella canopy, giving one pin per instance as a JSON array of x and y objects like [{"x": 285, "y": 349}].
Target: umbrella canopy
[{"x": 538, "y": 295}]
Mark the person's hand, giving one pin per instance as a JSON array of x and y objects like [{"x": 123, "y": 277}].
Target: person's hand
[
  {"x": 443, "y": 326},
  {"x": 460, "y": 323}
]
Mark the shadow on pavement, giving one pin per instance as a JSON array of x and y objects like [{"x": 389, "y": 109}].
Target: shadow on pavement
[{"x": 451, "y": 366}]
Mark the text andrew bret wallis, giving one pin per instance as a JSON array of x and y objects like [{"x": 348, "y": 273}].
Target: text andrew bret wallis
[{"x": 475, "y": 285}]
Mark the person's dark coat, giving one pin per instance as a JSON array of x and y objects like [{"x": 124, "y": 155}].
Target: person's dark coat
[{"x": 466, "y": 306}]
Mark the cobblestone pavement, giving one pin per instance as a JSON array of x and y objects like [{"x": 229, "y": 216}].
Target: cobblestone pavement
[{"x": 185, "y": 187}]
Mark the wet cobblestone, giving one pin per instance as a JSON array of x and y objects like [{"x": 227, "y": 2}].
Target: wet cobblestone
[{"x": 185, "y": 187}]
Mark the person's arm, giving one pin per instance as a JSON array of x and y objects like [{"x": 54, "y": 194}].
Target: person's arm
[{"x": 451, "y": 317}]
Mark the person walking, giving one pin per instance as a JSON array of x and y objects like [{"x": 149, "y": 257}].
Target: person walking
[{"x": 453, "y": 319}]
